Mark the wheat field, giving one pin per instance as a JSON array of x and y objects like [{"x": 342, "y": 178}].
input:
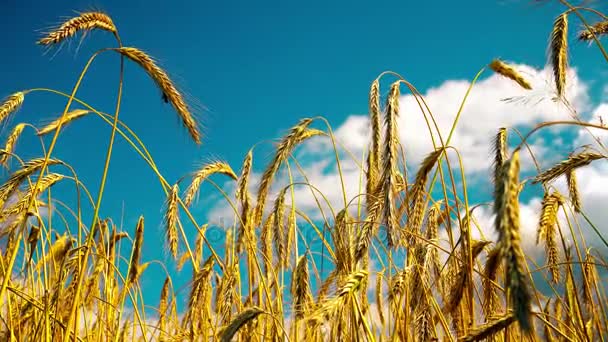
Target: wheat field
[{"x": 435, "y": 280}]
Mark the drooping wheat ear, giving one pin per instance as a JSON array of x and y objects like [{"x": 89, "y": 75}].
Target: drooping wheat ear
[
  {"x": 11, "y": 104},
  {"x": 136, "y": 254},
  {"x": 283, "y": 150},
  {"x": 547, "y": 231},
  {"x": 506, "y": 206},
  {"x": 204, "y": 172},
  {"x": 390, "y": 164},
  {"x": 84, "y": 22},
  {"x": 417, "y": 209},
  {"x": 11, "y": 185},
  {"x": 575, "y": 196},
  {"x": 162, "y": 310},
  {"x": 69, "y": 117},
  {"x": 300, "y": 288},
  {"x": 171, "y": 217},
  {"x": 490, "y": 328},
  {"x": 573, "y": 162},
  {"x": 167, "y": 86},
  {"x": 239, "y": 321},
  {"x": 559, "y": 52},
  {"x": 490, "y": 290},
  {"x": 22, "y": 205},
  {"x": 309, "y": 133},
  {"x": 373, "y": 158},
  {"x": 9, "y": 147},
  {"x": 598, "y": 29},
  {"x": 508, "y": 71}
]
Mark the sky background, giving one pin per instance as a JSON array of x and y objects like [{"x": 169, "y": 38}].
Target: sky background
[{"x": 254, "y": 69}]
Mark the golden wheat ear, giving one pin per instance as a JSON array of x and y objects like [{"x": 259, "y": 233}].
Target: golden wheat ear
[
  {"x": 559, "y": 52},
  {"x": 166, "y": 85},
  {"x": 11, "y": 104},
  {"x": 598, "y": 29},
  {"x": 84, "y": 22},
  {"x": 508, "y": 71}
]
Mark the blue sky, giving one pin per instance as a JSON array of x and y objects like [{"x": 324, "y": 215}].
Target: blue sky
[{"x": 255, "y": 68}]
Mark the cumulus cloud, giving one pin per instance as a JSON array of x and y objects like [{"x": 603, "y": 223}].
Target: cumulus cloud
[{"x": 483, "y": 113}]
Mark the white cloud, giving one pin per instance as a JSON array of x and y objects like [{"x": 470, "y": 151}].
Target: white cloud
[{"x": 484, "y": 112}]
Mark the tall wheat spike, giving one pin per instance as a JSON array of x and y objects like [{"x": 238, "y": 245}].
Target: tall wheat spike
[
  {"x": 136, "y": 254},
  {"x": 373, "y": 158},
  {"x": 171, "y": 218},
  {"x": 506, "y": 206},
  {"x": 547, "y": 231},
  {"x": 390, "y": 165},
  {"x": 558, "y": 51}
]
